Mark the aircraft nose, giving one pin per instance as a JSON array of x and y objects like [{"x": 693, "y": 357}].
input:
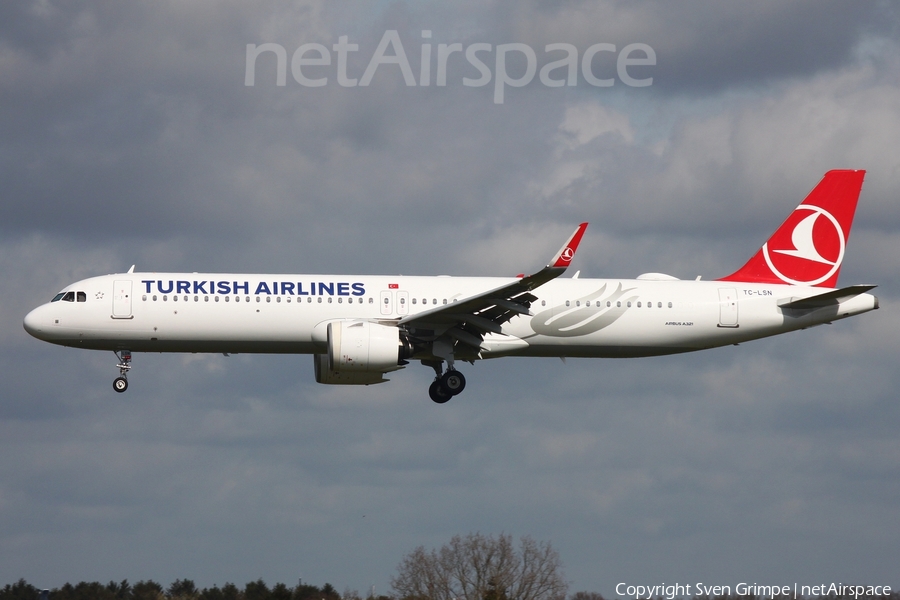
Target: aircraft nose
[{"x": 33, "y": 322}]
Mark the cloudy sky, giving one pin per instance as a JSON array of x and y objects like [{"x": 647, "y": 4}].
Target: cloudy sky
[{"x": 128, "y": 136}]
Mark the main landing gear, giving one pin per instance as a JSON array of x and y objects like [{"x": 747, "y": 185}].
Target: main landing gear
[
  {"x": 120, "y": 383},
  {"x": 447, "y": 385}
]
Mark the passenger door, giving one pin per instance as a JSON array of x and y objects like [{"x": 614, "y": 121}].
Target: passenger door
[
  {"x": 122, "y": 300},
  {"x": 387, "y": 302},
  {"x": 728, "y": 307}
]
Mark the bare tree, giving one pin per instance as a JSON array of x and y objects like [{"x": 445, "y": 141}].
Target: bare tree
[
  {"x": 479, "y": 567},
  {"x": 586, "y": 596}
]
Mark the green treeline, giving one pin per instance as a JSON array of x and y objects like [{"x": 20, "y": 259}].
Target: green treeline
[{"x": 182, "y": 589}]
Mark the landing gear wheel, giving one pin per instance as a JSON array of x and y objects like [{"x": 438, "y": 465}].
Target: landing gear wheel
[
  {"x": 453, "y": 382},
  {"x": 437, "y": 393},
  {"x": 120, "y": 384}
]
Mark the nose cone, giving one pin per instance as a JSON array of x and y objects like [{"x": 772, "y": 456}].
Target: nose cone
[{"x": 34, "y": 323}]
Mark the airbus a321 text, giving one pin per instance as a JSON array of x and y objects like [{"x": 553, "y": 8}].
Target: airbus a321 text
[{"x": 359, "y": 328}]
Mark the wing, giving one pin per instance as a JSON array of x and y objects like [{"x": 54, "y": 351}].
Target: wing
[{"x": 467, "y": 321}]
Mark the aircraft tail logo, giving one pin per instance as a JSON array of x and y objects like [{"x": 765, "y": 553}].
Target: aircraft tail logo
[{"x": 809, "y": 247}]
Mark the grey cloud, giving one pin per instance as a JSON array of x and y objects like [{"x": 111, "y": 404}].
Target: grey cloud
[
  {"x": 127, "y": 135},
  {"x": 705, "y": 46}
]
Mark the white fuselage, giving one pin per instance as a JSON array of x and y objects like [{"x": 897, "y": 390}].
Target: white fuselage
[{"x": 234, "y": 313}]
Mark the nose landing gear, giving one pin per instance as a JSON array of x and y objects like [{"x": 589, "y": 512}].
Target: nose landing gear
[{"x": 120, "y": 383}]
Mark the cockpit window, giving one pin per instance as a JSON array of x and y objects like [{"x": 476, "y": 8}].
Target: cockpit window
[
  {"x": 82, "y": 297},
  {"x": 58, "y": 297},
  {"x": 69, "y": 297}
]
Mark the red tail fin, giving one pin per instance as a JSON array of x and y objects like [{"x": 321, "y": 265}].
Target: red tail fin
[{"x": 808, "y": 248}]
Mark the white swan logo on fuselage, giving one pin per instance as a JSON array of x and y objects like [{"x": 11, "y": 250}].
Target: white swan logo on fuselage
[{"x": 586, "y": 316}]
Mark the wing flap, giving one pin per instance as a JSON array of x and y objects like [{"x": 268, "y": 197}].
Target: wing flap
[
  {"x": 478, "y": 322},
  {"x": 465, "y": 337}
]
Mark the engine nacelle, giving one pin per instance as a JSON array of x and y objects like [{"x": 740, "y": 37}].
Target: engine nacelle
[
  {"x": 360, "y": 353},
  {"x": 363, "y": 346},
  {"x": 324, "y": 374}
]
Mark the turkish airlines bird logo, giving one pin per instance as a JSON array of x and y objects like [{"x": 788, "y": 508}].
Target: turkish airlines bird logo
[
  {"x": 808, "y": 249},
  {"x": 567, "y": 255}
]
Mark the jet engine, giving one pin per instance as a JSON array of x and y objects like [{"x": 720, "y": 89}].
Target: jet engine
[{"x": 360, "y": 353}]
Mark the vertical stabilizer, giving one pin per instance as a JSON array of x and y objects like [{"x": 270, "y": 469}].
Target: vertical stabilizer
[{"x": 809, "y": 247}]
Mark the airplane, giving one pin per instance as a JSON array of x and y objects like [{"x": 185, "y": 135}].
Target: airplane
[{"x": 360, "y": 328}]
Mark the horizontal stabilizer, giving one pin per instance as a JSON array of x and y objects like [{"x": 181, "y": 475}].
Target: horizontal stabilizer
[{"x": 827, "y": 299}]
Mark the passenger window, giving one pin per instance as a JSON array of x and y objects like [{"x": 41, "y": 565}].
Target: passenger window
[
  {"x": 82, "y": 297},
  {"x": 196, "y": 298},
  {"x": 638, "y": 304},
  {"x": 144, "y": 297},
  {"x": 587, "y": 303},
  {"x": 445, "y": 301},
  {"x": 578, "y": 303},
  {"x": 434, "y": 301},
  {"x": 166, "y": 298},
  {"x": 349, "y": 300},
  {"x": 659, "y": 305},
  {"x": 309, "y": 300},
  {"x": 619, "y": 304},
  {"x": 608, "y": 304},
  {"x": 319, "y": 300},
  {"x": 268, "y": 298},
  {"x": 205, "y": 298},
  {"x": 567, "y": 303},
  {"x": 278, "y": 299},
  {"x": 69, "y": 297},
  {"x": 371, "y": 300},
  {"x": 227, "y": 298},
  {"x": 330, "y": 299},
  {"x": 386, "y": 300},
  {"x": 340, "y": 300},
  {"x": 288, "y": 299},
  {"x": 154, "y": 297},
  {"x": 247, "y": 299},
  {"x": 670, "y": 305},
  {"x": 629, "y": 304},
  {"x": 413, "y": 300},
  {"x": 217, "y": 298},
  {"x": 403, "y": 301},
  {"x": 543, "y": 303}
]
